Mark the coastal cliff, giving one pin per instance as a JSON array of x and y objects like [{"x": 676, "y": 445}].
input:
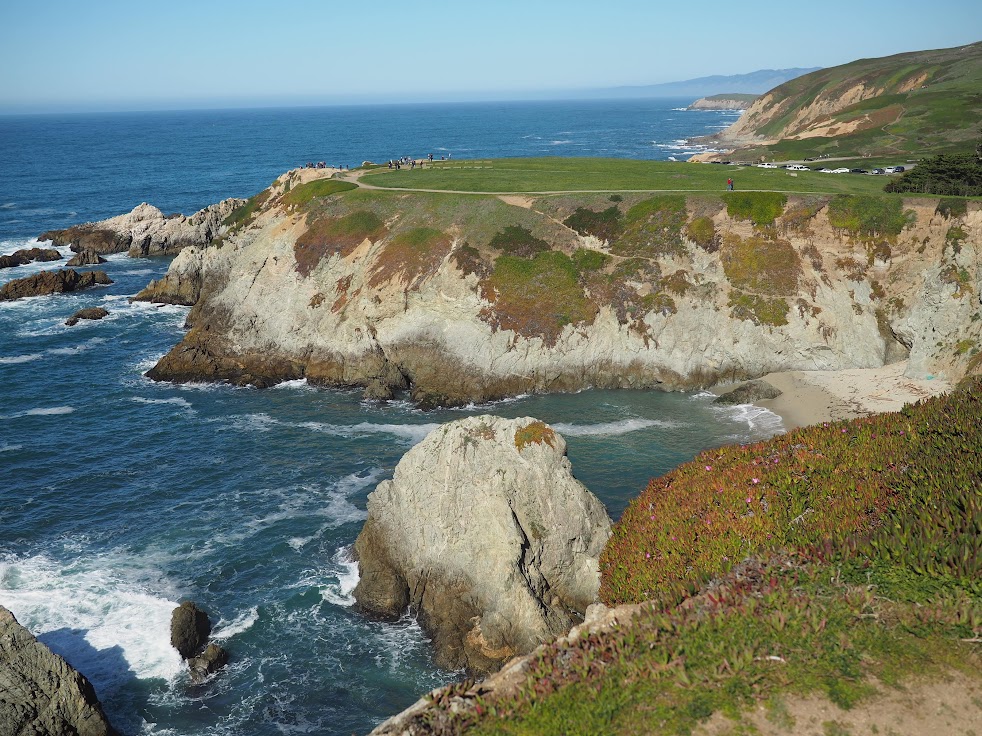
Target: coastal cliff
[
  {"x": 462, "y": 299},
  {"x": 723, "y": 102}
]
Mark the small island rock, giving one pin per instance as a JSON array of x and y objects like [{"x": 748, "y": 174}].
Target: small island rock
[
  {"x": 85, "y": 257},
  {"x": 748, "y": 393},
  {"x": 485, "y": 533},
  {"x": 212, "y": 659},
  {"x": 189, "y": 629},
  {"x": 52, "y": 282},
  {"x": 88, "y": 313},
  {"x": 29, "y": 255},
  {"x": 40, "y": 693}
]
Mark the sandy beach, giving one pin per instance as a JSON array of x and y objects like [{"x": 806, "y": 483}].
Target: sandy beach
[{"x": 810, "y": 397}]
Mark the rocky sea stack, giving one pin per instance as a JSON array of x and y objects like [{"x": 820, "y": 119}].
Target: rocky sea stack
[
  {"x": 52, "y": 282},
  {"x": 146, "y": 231},
  {"x": 190, "y": 628},
  {"x": 40, "y": 693},
  {"x": 484, "y": 533}
]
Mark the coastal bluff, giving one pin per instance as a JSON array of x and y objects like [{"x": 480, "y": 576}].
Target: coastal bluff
[
  {"x": 40, "y": 693},
  {"x": 723, "y": 102},
  {"x": 466, "y": 299},
  {"x": 485, "y": 534}
]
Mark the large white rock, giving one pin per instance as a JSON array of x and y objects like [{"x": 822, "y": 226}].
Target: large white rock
[{"x": 484, "y": 533}]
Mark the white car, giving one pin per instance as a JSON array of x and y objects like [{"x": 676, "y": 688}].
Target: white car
[
  {"x": 766, "y": 166},
  {"x": 840, "y": 171},
  {"x": 825, "y": 171},
  {"x": 798, "y": 167}
]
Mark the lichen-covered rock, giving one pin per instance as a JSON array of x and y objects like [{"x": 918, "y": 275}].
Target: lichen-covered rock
[
  {"x": 146, "y": 231},
  {"x": 29, "y": 255},
  {"x": 485, "y": 533},
  {"x": 87, "y": 313},
  {"x": 40, "y": 693},
  {"x": 748, "y": 393},
  {"x": 85, "y": 257},
  {"x": 189, "y": 629},
  {"x": 52, "y": 282}
]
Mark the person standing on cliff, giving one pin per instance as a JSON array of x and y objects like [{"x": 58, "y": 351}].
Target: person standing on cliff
[{"x": 729, "y": 184}]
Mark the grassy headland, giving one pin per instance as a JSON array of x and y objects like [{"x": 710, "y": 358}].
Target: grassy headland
[{"x": 544, "y": 175}]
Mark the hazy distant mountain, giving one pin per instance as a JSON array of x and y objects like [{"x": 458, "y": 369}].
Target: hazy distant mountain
[{"x": 754, "y": 83}]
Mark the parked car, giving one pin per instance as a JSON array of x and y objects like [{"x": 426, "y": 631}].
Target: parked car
[
  {"x": 841, "y": 170},
  {"x": 798, "y": 167},
  {"x": 824, "y": 171},
  {"x": 878, "y": 171},
  {"x": 766, "y": 166},
  {"x": 858, "y": 171},
  {"x": 899, "y": 169}
]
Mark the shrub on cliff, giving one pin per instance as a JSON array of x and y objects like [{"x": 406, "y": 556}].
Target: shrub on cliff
[
  {"x": 605, "y": 225},
  {"x": 948, "y": 175},
  {"x": 865, "y": 216},
  {"x": 761, "y": 208}
]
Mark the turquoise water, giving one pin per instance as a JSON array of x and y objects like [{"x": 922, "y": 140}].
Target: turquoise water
[{"x": 122, "y": 496}]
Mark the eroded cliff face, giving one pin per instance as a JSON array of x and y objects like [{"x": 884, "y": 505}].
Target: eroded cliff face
[{"x": 469, "y": 298}]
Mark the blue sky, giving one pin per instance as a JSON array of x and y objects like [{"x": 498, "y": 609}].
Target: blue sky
[{"x": 111, "y": 55}]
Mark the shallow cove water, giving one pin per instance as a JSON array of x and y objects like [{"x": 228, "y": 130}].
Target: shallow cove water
[{"x": 122, "y": 496}]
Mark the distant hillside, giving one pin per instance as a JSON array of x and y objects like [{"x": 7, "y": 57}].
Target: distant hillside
[
  {"x": 754, "y": 83},
  {"x": 910, "y": 104}
]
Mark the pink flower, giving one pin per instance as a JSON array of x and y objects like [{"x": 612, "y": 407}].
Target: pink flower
[
  {"x": 843, "y": 431},
  {"x": 647, "y": 555},
  {"x": 755, "y": 481},
  {"x": 674, "y": 538},
  {"x": 709, "y": 467},
  {"x": 652, "y": 517},
  {"x": 749, "y": 499},
  {"x": 775, "y": 461}
]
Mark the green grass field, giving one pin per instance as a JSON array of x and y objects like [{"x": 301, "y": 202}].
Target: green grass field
[{"x": 541, "y": 175}]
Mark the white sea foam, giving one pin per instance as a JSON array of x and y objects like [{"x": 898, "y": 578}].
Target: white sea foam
[
  {"x": 13, "y": 359},
  {"x": 176, "y": 400},
  {"x": 341, "y": 592},
  {"x": 111, "y": 628},
  {"x": 225, "y": 630},
  {"x": 609, "y": 429},
  {"x": 299, "y": 383},
  {"x": 760, "y": 421},
  {"x": 41, "y": 411},
  {"x": 11, "y": 448},
  {"x": 8, "y": 205},
  {"x": 76, "y": 349},
  {"x": 412, "y": 432},
  {"x": 559, "y": 143},
  {"x": 261, "y": 422}
]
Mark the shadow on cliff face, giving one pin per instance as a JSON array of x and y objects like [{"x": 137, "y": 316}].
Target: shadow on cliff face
[{"x": 122, "y": 696}]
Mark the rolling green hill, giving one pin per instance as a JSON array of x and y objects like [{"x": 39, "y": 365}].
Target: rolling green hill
[{"x": 908, "y": 106}]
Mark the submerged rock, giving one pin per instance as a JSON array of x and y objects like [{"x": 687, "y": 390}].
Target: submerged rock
[
  {"x": 748, "y": 393},
  {"x": 85, "y": 257},
  {"x": 146, "y": 231},
  {"x": 485, "y": 533},
  {"x": 29, "y": 255},
  {"x": 189, "y": 629},
  {"x": 52, "y": 282},
  {"x": 89, "y": 313},
  {"x": 212, "y": 659},
  {"x": 40, "y": 693}
]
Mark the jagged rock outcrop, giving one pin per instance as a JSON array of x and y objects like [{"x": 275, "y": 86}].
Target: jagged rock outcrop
[
  {"x": 40, "y": 693},
  {"x": 190, "y": 628},
  {"x": 52, "y": 282},
  {"x": 146, "y": 231},
  {"x": 85, "y": 257},
  {"x": 87, "y": 313},
  {"x": 28, "y": 255},
  {"x": 748, "y": 393},
  {"x": 484, "y": 533},
  {"x": 183, "y": 281}
]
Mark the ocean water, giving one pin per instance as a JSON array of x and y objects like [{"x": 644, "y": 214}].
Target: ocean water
[{"x": 121, "y": 496}]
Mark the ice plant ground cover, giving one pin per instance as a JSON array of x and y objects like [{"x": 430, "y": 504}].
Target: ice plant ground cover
[{"x": 838, "y": 560}]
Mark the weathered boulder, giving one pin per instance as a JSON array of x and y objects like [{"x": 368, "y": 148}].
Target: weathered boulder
[
  {"x": 52, "y": 282},
  {"x": 40, "y": 693},
  {"x": 189, "y": 629},
  {"x": 146, "y": 231},
  {"x": 748, "y": 393},
  {"x": 88, "y": 313},
  {"x": 28, "y": 255},
  {"x": 85, "y": 257},
  {"x": 212, "y": 659},
  {"x": 485, "y": 534}
]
